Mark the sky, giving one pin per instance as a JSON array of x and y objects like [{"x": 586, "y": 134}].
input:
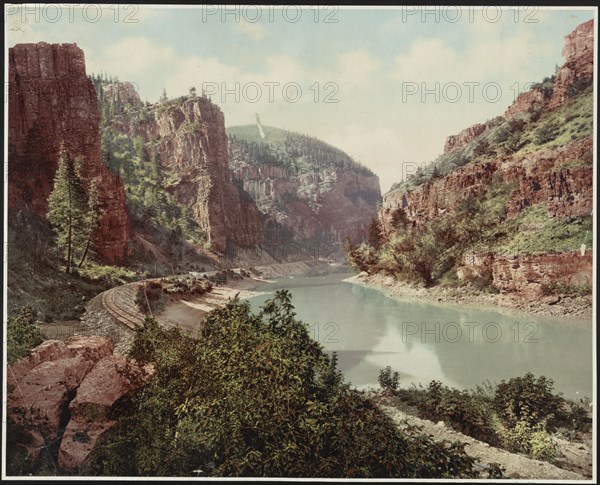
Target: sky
[{"x": 386, "y": 85}]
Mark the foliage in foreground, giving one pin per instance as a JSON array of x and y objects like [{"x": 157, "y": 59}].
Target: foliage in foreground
[
  {"x": 22, "y": 334},
  {"x": 256, "y": 396},
  {"x": 519, "y": 415}
]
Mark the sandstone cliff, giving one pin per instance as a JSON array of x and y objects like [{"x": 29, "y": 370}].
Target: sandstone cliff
[
  {"x": 184, "y": 140},
  {"x": 52, "y": 102},
  {"x": 193, "y": 145},
  {"x": 304, "y": 186},
  {"x": 540, "y": 153}
]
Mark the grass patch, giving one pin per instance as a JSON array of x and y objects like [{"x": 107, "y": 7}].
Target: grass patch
[
  {"x": 112, "y": 275},
  {"x": 534, "y": 231}
]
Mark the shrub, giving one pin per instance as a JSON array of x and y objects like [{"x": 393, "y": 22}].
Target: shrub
[
  {"x": 22, "y": 334},
  {"x": 150, "y": 293},
  {"x": 526, "y": 399},
  {"x": 464, "y": 412},
  {"x": 547, "y": 132},
  {"x": 387, "y": 380},
  {"x": 256, "y": 396},
  {"x": 532, "y": 439}
]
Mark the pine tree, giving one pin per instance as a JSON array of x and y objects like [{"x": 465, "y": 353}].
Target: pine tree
[
  {"x": 374, "y": 235},
  {"x": 92, "y": 217},
  {"x": 67, "y": 206}
]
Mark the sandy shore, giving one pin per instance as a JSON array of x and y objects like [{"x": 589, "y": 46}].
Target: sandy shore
[
  {"x": 555, "y": 306},
  {"x": 188, "y": 312}
]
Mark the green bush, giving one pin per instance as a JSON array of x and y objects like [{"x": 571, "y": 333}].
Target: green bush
[
  {"x": 387, "y": 380},
  {"x": 254, "y": 395},
  {"x": 22, "y": 334},
  {"x": 532, "y": 439},
  {"x": 526, "y": 399},
  {"x": 547, "y": 132},
  {"x": 150, "y": 293},
  {"x": 566, "y": 290},
  {"x": 467, "y": 413}
]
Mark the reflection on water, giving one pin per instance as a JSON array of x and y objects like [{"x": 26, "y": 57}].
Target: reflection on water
[{"x": 460, "y": 346}]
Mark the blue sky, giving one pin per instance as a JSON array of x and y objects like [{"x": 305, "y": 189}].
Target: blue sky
[{"x": 397, "y": 81}]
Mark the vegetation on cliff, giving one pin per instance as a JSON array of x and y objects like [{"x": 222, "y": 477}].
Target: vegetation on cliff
[
  {"x": 300, "y": 154},
  {"x": 152, "y": 208},
  {"x": 429, "y": 247},
  {"x": 431, "y": 251},
  {"x": 254, "y": 395},
  {"x": 526, "y": 132}
]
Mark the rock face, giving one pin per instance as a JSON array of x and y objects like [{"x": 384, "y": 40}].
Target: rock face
[
  {"x": 579, "y": 65},
  {"x": 62, "y": 395},
  {"x": 321, "y": 201},
  {"x": 538, "y": 178},
  {"x": 526, "y": 102},
  {"x": 578, "y": 68},
  {"x": 525, "y": 275},
  {"x": 192, "y": 144},
  {"x": 559, "y": 177},
  {"x": 52, "y": 102},
  {"x": 464, "y": 137}
]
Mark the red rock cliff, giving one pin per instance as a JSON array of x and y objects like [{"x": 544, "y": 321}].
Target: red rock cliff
[
  {"x": 192, "y": 144},
  {"x": 579, "y": 65},
  {"x": 52, "y": 101}
]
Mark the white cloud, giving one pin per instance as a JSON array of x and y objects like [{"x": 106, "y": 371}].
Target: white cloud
[
  {"x": 130, "y": 58},
  {"x": 357, "y": 67},
  {"x": 253, "y": 30}
]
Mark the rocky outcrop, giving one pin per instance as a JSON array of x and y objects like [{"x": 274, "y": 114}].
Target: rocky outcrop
[
  {"x": 526, "y": 275},
  {"x": 91, "y": 409},
  {"x": 62, "y": 395},
  {"x": 464, "y": 137},
  {"x": 324, "y": 203},
  {"x": 52, "y": 102},
  {"x": 192, "y": 144},
  {"x": 559, "y": 177},
  {"x": 538, "y": 177},
  {"x": 579, "y": 66},
  {"x": 526, "y": 102},
  {"x": 578, "y": 69},
  {"x": 549, "y": 178},
  {"x": 122, "y": 94}
]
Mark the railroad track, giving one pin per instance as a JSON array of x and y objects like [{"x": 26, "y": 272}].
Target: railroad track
[{"x": 113, "y": 301}]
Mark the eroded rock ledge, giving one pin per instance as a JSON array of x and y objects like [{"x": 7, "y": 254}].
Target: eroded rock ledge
[{"x": 62, "y": 397}]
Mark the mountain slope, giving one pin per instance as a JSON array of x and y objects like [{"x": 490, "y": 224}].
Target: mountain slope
[
  {"x": 307, "y": 189},
  {"x": 507, "y": 207}
]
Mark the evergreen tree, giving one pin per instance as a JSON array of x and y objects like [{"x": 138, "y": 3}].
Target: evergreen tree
[
  {"x": 92, "y": 217},
  {"x": 374, "y": 236},
  {"x": 163, "y": 96},
  {"x": 67, "y": 207}
]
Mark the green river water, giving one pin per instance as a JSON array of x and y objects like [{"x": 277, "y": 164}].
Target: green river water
[{"x": 459, "y": 345}]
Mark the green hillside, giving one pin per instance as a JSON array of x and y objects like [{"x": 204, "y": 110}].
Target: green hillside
[
  {"x": 524, "y": 133},
  {"x": 299, "y": 153}
]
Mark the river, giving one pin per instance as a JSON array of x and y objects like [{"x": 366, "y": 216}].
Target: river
[{"x": 461, "y": 346}]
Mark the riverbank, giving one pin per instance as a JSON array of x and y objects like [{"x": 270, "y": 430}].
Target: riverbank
[
  {"x": 555, "y": 306},
  {"x": 188, "y": 312}
]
